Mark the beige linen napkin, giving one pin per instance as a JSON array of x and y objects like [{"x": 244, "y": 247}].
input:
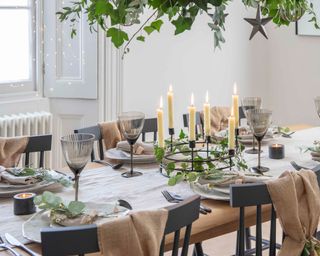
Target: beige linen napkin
[
  {"x": 137, "y": 234},
  {"x": 139, "y": 148},
  {"x": 219, "y": 118},
  {"x": 11, "y": 150},
  {"x": 296, "y": 199},
  {"x": 111, "y": 134}
]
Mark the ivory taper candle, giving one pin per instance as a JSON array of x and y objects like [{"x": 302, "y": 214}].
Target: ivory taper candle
[
  {"x": 206, "y": 114},
  {"x": 192, "y": 120},
  {"x": 170, "y": 107},
  {"x": 160, "y": 124},
  {"x": 235, "y": 105},
  {"x": 231, "y": 133}
]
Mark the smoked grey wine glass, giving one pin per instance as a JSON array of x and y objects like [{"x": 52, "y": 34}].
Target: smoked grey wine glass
[
  {"x": 76, "y": 150},
  {"x": 260, "y": 121},
  {"x": 317, "y": 103},
  {"x": 131, "y": 124},
  {"x": 246, "y": 104}
]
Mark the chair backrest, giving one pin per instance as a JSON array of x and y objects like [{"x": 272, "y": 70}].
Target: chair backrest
[
  {"x": 199, "y": 124},
  {"x": 150, "y": 126},
  {"x": 83, "y": 239},
  {"x": 95, "y": 130},
  {"x": 255, "y": 194},
  {"x": 38, "y": 143}
]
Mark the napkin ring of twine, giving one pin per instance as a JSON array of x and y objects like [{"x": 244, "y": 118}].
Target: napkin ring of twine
[{"x": 311, "y": 247}]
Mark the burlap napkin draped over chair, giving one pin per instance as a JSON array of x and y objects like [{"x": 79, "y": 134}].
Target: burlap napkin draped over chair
[
  {"x": 296, "y": 199},
  {"x": 219, "y": 118},
  {"x": 111, "y": 134},
  {"x": 137, "y": 234},
  {"x": 11, "y": 150}
]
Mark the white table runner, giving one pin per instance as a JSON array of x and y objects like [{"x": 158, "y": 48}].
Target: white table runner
[{"x": 144, "y": 192}]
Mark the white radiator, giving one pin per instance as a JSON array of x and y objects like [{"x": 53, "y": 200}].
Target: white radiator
[{"x": 26, "y": 124}]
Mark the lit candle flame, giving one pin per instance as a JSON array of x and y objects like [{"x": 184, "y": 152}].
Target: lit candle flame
[
  {"x": 207, "y": 97},
  {"x": 161, "y": 102},
  {"x": 235, "y": 88},
  {"x": 170, "y": 88},
  {"x": 192, "y": 99}
]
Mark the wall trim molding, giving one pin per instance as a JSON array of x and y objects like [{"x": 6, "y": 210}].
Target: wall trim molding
[{"x": 110, "y": 79}]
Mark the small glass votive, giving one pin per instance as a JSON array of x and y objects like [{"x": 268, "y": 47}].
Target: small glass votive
[
  {"x": 23, "y": 204},
  {"x": 276, "y": 151}
]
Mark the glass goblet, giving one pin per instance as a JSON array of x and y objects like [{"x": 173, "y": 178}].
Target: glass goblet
[
  {"x": 246, "y": 104},
  {"x": 317, "y": 103},
  {"x": 76, "y": 150},
  {"x": 131, "y": 124},
  {"x": 260, "y": 121}
]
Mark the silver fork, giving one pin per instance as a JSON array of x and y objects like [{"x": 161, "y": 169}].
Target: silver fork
[
  {"x": 5, "y": 246},
  {"x": 171, "y": 199}
]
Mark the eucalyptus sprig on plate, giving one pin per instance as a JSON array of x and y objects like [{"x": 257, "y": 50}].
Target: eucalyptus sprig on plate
[
  {"x": 202, "y": 165},
  {"x": 41, "y": 174}
]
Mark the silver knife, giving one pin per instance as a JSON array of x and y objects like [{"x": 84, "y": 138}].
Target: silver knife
[{"x": 13, "y": 241}]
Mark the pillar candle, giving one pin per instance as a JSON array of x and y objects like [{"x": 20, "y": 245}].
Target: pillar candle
[
  {"x": 160, "y": 124},
  {"x": 235, "y": 105},
  {"x": 206, "y": 114},
  {"x": 192, "y": 120},
  {"x": 170, "y": 106},
  {"x": 231, "y": 133}
]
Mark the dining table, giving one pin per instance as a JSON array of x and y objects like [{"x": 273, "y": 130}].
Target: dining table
[{"x": 99, "y": 183}]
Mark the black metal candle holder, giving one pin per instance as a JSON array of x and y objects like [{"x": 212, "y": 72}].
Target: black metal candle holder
[
  {"x": 237, "y": 138},
  {"x": 171, "y": 133},
  {"x": 192, "y": 149}
]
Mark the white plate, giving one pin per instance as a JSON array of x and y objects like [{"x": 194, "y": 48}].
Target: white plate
[
  {"x": 119, "y": 155},
  {"x": 205, "y": 191},
  {"x": 31, "y": 229}
]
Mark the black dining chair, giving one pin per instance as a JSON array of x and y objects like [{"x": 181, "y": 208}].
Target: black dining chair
[
  {"x": 37, "y": 144},
  {"x": 150, "y": 126},
  {"x": 255, "y": 194},
  {"x": 95, "y": 130},
  {"x": 199, "y": 124},
  {"x": 83, "y": 239}
]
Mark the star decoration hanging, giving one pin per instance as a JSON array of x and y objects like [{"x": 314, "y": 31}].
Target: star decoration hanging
[{"x": 258, "y": 24}]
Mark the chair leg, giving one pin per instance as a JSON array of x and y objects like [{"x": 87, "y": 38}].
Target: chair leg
[
  {"x": 248, "y": 241},
  {"x": 198, "y": 251}
]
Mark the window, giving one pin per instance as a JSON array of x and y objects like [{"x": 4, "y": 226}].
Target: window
[{"x": 17, "y": 46}]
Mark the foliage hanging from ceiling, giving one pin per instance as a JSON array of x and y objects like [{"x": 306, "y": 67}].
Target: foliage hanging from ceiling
[{"x": 114, "y": 16}]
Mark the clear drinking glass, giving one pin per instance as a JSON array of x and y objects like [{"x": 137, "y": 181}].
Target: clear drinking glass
[
  {"x": 260, "y": 121},
  {"x": 317, "y": 103},
  {"x": 131, "y": 124},
  {"x": 76, "y": 150},
  {"x": 246, "y": 104}
]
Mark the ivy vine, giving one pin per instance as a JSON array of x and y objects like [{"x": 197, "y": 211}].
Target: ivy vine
[{"x": 113, "y": 16}]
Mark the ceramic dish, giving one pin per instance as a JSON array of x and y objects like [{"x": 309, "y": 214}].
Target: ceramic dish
[{"x": 115, "y": 154}]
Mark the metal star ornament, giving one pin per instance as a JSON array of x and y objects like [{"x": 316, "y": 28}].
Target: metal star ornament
[{"x": 258, "y": 24}]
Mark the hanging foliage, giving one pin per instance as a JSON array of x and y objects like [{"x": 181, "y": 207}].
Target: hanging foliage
[{"x": 113, "y": 16}]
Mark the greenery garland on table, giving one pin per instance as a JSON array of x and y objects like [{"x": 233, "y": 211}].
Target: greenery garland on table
[
  {"x": 206, "y": 170},
  {"x": 113, "y": 16}
]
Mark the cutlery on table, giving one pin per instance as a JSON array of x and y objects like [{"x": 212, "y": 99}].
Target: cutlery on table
[
  {"x": 113, "y": 166},
  {"x": 171, "y": 199},
  {"x": 7, "y": 247},
  {"x": 299, "y": 167},
  {"x": 287, "y": 135},
  {"x": 124, "y": 204},
  {"x": 15, "y": 242}
]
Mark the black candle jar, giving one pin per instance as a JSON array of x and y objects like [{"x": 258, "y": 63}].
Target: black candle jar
[
  {"x": 276, "y": 151},
  {"x": 23, "y": 204}
]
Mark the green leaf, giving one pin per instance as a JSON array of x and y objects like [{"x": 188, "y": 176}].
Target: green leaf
[
  {"x": 172, "y": 181},
  {"x": 76, "y": 207},
  {"x": 159, "y": 153},
  {"x": 118, "y": 37},
  {"x": 171, "y": 166},
  {"x": 157, "y": 25},
  {"x": 215, "y": 2},
  {"x": 141, "y": 38},
  {"x": 202, "y": 4},
  {"x": 182, "y": 24},
  {"x": 148, "y": 29},
  {"x": 192, "y": 176},
  {"x": 182, "y": 135},
  {"x": 103, "y": 7}
]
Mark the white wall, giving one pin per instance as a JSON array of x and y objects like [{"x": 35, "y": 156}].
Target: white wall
[
  {"x": 189, "y": 62},
  {"x": 293, "y": 75}
]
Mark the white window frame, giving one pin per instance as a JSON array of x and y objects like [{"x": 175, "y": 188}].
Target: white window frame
[{"x": 33, "y": 87}]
